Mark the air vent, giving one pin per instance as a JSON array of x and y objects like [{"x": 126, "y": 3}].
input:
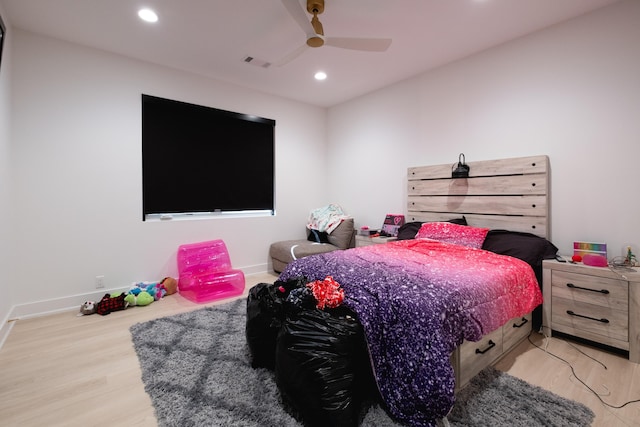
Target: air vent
[{"x": 257, "y": 62}]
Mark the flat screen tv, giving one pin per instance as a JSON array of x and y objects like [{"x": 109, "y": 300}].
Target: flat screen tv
[{"x": 203, "y": 160}]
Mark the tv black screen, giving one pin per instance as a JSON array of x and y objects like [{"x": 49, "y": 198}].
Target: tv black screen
[{"x": 198, "y": 159}]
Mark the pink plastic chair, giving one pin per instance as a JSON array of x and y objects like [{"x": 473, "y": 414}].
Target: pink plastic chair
[{"x": 205, "y": 272}]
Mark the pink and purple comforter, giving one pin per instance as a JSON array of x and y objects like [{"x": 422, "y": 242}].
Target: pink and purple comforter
[{"x": 417, "y": 300}]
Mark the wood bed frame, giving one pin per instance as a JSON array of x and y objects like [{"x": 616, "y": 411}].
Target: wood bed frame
[{"x": 510, "y": 194}]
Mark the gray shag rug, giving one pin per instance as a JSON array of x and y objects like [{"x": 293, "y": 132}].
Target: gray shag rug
[{"x": 196, "y": 369}]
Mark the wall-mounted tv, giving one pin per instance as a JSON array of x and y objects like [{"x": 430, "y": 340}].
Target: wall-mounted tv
[{"x": 201, "y": 160}]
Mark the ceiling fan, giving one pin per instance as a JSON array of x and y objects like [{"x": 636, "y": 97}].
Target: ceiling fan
[{"x": 315, "y": 33}]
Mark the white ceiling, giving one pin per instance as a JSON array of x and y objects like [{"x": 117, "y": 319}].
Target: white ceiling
[{"x": 212, "y": 37}]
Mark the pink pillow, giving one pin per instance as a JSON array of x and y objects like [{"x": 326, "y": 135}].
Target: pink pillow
[{"x": 464, "y": 235}]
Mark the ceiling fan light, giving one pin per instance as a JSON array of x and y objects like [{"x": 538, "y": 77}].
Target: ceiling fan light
[{"x": 315, "y": 41}]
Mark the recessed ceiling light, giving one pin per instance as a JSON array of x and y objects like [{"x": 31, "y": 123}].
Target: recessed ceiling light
[
  {"x": 148, "y": 15},
  {"x": 320, "y": 75}
]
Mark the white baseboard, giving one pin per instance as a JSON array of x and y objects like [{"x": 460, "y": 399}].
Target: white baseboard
[
  {"x": 73, "y": 302},
  {"x": 5, "y": 329},
  {"x": 256, "y": 269},
  {"x": 57, "y": 305},
  {"x": 47, "y": 307}
]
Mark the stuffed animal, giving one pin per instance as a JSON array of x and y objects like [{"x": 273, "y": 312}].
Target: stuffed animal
[
  {"x": 157, "y": 290},
  {"x": 142, "y": 298},
  {"x": 111, "y": 302},
  {"x": 138, "y": 287},
  {"x": 165, "y": 287},
  {"x": 170, "y": 284},
  {"x": 151, "y": 288},
  {"x": 88, "y": 307}
]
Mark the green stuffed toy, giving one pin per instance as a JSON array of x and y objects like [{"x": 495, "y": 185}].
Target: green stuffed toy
[{"x": 142, "y": 298}]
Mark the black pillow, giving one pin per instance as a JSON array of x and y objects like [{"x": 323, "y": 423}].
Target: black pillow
[
  {"x": 318, "y": 236},
  {"x": 459, "y": 221},
  {"x": 410, "y": 229},
  {"x": 528, "y": 247}
]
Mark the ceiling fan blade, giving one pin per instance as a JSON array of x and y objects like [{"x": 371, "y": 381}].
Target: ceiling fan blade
[
  {"x": 292, "y": 55},
  {"x": 299, "y": 14},
  {"x": 356, "y": 43}
]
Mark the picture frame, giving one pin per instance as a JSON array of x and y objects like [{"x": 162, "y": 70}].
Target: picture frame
[
  {"x": 585, "y": 248},
  {"x": 3, "y": 32}
]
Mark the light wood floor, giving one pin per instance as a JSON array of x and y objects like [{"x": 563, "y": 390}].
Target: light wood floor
[{"x": 64, "y": 370}]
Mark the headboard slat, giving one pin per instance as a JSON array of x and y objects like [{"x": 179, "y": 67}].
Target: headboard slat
[
  {"x": 488, "y": 205},
  {"x": 516, "y": 184},
  {"x": 514, "y": 166}
]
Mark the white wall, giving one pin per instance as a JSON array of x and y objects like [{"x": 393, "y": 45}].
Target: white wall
[
  {"x": 6, "y": 222},
  {"x": 76, "y": 141},
  {"x": 571, "y": 92},
  {"x": 73, "y": 144}
]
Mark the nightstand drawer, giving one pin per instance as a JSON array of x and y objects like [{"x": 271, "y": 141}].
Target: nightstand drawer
[
  {"x": 610, "y": 293},
  {"x": 597, "y": 319}
]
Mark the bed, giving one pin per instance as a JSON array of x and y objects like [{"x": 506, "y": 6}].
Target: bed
[{"x": 438, "y": 309}]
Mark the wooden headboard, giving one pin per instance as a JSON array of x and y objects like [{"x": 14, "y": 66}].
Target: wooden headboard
[{"x": 510, "y": 194}]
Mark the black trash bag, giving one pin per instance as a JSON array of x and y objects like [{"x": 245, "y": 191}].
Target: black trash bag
[
  {"x": 265, "y": 313},
  {"x": 322, "y": 367}
]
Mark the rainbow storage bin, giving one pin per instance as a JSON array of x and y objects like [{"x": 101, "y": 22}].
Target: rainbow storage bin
[{"x": 205, "y": 272}]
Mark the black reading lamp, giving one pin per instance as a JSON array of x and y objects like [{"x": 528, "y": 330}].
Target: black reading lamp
[{"x": 462, "y": 170}]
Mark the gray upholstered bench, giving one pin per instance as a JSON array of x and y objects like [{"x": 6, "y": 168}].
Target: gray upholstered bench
[{"x": 282, "y": 253}]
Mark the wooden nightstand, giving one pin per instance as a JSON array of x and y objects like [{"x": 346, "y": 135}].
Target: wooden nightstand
[
  {"x": 595, "y": 303},
  {"x": 366, "y": 240}
]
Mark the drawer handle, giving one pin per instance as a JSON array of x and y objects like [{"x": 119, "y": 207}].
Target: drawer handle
[
  {"x": 491, "y": 345},
  {"x": 524, "y": 322},
  {"x": 572, "y": 286},
  {"x": 603, "y": 320}
]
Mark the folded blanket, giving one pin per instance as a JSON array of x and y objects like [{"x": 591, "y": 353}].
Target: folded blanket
[{"x": 326, "y": 219}]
